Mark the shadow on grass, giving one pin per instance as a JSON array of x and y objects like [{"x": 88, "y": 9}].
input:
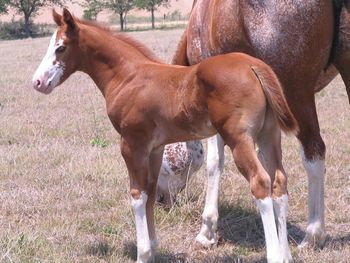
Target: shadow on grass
[
  {"x": 237, "y": 225},
  {"x": 100, "y": 249},
  {"x": 338, "y": 242},
  {"x": 130, "y": 251},
  {"x": 243, "y": 227}
]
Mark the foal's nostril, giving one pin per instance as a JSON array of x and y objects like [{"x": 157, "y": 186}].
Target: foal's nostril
[{"x": 38, "y": 82}]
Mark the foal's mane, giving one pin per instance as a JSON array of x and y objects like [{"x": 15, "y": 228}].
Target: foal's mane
[{"x": 125, "y": 38}]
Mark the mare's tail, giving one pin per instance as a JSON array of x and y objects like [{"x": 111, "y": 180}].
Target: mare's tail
[{"x": 276, "y": 99}]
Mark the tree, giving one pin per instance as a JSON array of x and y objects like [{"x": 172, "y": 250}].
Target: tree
[
  {"x": 3, "y": 6},
  {"x": 92, "y": 8},
  {"x": 151, "y": 6},
  {"x": 30, "y": 8},
  {"x": 121, "y": 7}
]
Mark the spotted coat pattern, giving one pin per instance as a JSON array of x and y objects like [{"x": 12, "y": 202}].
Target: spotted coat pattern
[{"x": 180, "y": 161}]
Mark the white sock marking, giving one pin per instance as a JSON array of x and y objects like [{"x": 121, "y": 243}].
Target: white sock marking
[
  {"x": 315, "y": 231},
  {"x": 268, "y": 219},
  {"x": 215, "y": 165},
  {"x": 144, "y": 252},
  {"x": 280, "y": 206}
]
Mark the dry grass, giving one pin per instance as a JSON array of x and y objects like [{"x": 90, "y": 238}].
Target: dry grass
[{"x": 63, "y": 183}]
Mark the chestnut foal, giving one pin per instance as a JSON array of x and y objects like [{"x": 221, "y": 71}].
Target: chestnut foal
[{"x": 152, "y": 104}]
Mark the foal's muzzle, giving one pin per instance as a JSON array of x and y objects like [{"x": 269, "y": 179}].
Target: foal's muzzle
[{"x": 42, "y": 85}]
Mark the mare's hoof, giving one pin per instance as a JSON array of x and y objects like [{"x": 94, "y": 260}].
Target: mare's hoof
[
  {"x": 315, "y": 240},
  {"x": 202, "y": 241}
]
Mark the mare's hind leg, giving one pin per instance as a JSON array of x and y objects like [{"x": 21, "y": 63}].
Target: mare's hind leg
[
  {"x": 248, "y": 163},
  {"x": 270, "y": 155},
  {"x": 215, "y": 165}
]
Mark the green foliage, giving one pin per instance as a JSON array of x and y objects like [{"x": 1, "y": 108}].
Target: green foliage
[
  {"x": 3, "y": 6},
  {"x": 92, "y": 8},
  {"x": 15, "y": 30},
  {"x": 30, "y": 8},
  {"x": 110, "y": 230},
  {"x": 150, "y": 5},
  {"x": 176, "y": 16},
  {"x": 120, "y": 6},
  {"x": 99, "y": 142}
]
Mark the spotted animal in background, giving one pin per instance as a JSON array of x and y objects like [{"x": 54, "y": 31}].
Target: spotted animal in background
[{"x": 180, "y": 161}]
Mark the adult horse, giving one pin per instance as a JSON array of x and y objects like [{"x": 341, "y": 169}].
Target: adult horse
[
  {"x": 152, "y": 104},
  {"x": 295, "y": 37}
]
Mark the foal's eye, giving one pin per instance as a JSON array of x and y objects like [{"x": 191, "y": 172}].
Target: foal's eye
[{"x": 60, "y": 49}]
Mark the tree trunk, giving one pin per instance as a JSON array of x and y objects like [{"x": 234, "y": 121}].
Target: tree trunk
[
  {"x": 124, "y": 18},
  {"x": 121, "y": 21},
  {"x": 26, "y": 26},
  {"x": 152, "y": 12}
]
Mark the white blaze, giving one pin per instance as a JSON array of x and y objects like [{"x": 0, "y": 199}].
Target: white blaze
[{"x": 49, "y": 71}]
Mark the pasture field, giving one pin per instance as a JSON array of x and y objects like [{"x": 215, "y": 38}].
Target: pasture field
[{"x": 64, "y": 186}]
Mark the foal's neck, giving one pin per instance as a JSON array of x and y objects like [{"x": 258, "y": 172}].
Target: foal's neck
[{"x": 110, "y": 60}]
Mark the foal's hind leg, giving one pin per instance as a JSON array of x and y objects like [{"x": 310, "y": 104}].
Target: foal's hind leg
[
  {"x": 215, "y": 165},
  {"x": 270, "y": 155},
  {"x": 248, "y": 163}
]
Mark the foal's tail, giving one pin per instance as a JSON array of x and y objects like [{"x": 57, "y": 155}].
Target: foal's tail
[{"x": 276, "y": 99}]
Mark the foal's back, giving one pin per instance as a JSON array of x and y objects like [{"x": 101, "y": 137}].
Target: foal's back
[{"x": 184, "y": 93}]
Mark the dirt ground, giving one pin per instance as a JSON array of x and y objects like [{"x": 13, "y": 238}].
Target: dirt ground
[{"x": 64, "y": 186}]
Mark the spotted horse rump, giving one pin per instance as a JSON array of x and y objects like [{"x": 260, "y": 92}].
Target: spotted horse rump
[{"x": 180, "y": 161}]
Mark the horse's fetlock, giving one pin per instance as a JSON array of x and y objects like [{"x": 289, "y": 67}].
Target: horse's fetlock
[
  {"x": 211, "y": 217},
  {"x": 145, "y": 255}
]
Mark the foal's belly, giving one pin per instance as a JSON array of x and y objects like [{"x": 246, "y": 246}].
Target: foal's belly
[{"x": 175, "y": 131}]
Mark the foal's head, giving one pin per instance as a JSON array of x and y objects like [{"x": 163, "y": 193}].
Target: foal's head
[{"x": 62, "y": 56}]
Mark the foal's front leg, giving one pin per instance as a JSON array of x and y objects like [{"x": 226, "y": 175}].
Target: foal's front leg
[
  {"x": 155, "y": 161},
  {"x": 137, "y": 162}
]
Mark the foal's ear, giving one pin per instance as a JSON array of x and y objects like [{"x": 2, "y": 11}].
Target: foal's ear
[
  {"x": 56, "y": 17},
  {"x": 68, "y": 19}
]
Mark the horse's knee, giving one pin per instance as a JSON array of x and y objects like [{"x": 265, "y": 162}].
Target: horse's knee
[
  {"x": 138, "y": 198},
  {"x": 135, "y": 193},
  {"x": 260, "y": 185},
  {"x": 279, "y": 184}
]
